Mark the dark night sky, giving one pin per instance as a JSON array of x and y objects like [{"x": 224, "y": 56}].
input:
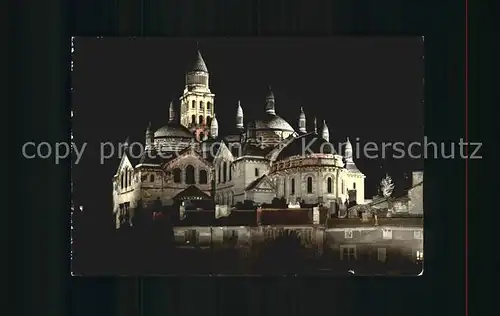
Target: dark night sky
[{"x": 369, "y": 88}]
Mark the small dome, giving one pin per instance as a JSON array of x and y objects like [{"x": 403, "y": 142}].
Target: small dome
[
  {"x": 173, "y": 129},
  {"x": 305, "y": 145},
  {"x": 273, "y": 122}
]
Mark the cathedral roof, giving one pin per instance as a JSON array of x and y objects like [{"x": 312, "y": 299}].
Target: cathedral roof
[
  {"x": 173, "y": 129},
  {"x": 192, "y": 193},
  {"x": 272, "y": 121},
  {"x": 199, "y": 64},
  {"x": 304, "y": 145},
  {"x": 151, "y": 157},
  {"x": 252, "y": 150},
  {"x": 127, "y": 151},
  {"x": 351, "y": 166},
  {"x": 256, "y": 183},
  {"x": 210, "y": 148}
]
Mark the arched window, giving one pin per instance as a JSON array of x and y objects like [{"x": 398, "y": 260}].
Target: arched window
[
  {"x": 189, "y": 174},
  {"x": 193, "y": 104},
  {"x": 292, "y": 186},
  {"x": 309, "y": 185},
  {"x": 200, "y": 119},
  {"x": 230, "y": 173},
  {"x": 209, "y": 120},
  {"x": 235, "y": 150},
  {"x": 126, "y": 178},
  {"x": 121, "y": 180},
  {"x": 193, "y": 118},
  {"x": 209, "y": 106},
  {"x": 203, "y": 176},
  {"x": 152, "y": 178},
  {"x": 329, "y": 185},
  {"x": 354, "y": 185},
  {"x": 177, "y": 175},
  {"x": 219, "y": 175},
  {"x": 201, "y": 105},
  {"x": 224, "y": 170}
]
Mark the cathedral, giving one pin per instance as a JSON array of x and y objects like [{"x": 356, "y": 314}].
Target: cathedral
[{"x": 259, "y": 160}]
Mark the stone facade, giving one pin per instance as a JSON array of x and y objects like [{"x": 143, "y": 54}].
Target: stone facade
[
  {"x": 366, "y": 241},
  {"x": 416, "y": 193},
  {"x": 377, "y": 243},
  {"x": 243, "y": 236}
]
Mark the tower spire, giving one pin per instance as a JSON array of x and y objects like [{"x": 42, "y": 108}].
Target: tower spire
[
  {"x": 239, "y": 116},
  {"x": 302, "y": 121},
  {"x": 214, "y": 127},
  {"x": 149, "y": 136},
  {"x": 199, "y": 63},
  {"x": 325, "y": 132},
  {"x": 171, "y": 110},
  {"x": 270, "y": 102},
  {"x": 197, "y": 100},
  {"x": 348, "y": 151}
]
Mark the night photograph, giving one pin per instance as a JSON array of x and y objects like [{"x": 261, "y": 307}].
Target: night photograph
[{"x": 248, "y": 156}]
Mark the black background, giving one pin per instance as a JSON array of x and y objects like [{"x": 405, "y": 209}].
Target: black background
[{"x": 39, "y": 190}]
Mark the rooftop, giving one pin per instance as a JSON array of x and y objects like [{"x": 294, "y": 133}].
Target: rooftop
[{"x": 382, "y": 221}]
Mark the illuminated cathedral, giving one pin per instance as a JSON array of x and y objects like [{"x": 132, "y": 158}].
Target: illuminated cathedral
[{"x": 260, "y": 160}]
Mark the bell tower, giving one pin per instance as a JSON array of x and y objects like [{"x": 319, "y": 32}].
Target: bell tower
[{"x": 197, "y": 101}]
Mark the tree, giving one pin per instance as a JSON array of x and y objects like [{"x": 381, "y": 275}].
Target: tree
[
  {"x": 386, "y": 189},
  {"x": 386, "y": 186}
]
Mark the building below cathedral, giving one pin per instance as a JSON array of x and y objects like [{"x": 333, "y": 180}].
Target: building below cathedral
[{"x": 260, "y": 160}]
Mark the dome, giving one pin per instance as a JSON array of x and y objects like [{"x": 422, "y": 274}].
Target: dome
[
  {"x": 305, "y": 145},
  {"x": 273, "y": 122},
  {"x": 173, "y": 129}
]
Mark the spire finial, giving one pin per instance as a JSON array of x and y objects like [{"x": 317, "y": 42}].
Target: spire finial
[
  {"x": 325, "y": 132},
  {"x": 302, "y": 121},
  {"x": 270, "y": 102},
  {"x": 214, "y": 127},
  {"x": 239, "y": 116},
  {"x": 171, "y": 111}
]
